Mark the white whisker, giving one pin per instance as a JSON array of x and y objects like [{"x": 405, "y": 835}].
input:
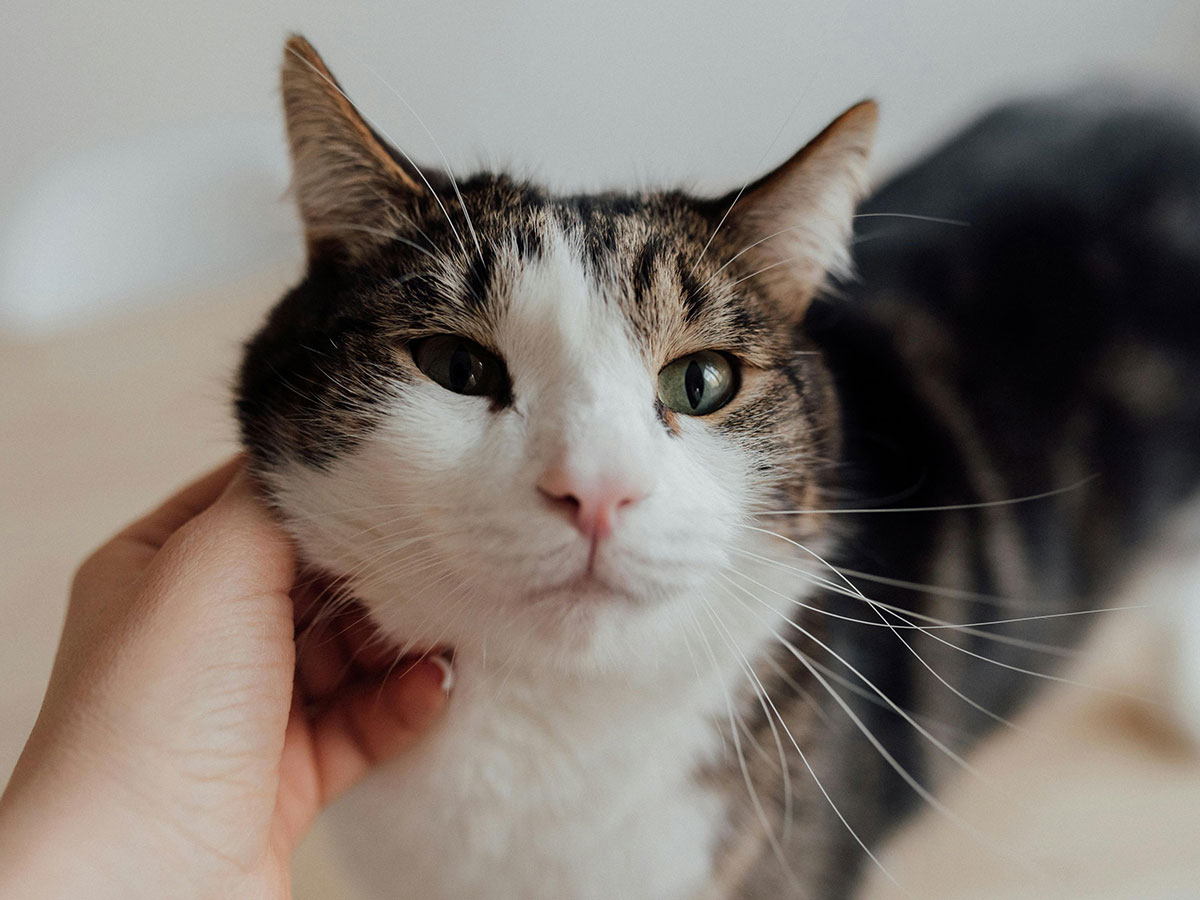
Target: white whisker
[
  {"x": 924, "y": 732},
  {"x": 332, "y": 229},
  {"x": 973, "y": 628},
  {"x": 760, "y": 692},
  {"x": 734, "y": 719},
  {"x": 995, "y": 662},
  {"x": 946, "y": 508},
  {"x": 969, "y": 628},
  {"x": 936, "y": 220},
  {"x": 829, "y": 799},
  {"x": 438, "y": 147},
  {"x": 985, "y": 841}
]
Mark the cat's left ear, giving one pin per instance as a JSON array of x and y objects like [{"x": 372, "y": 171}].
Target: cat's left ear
[{"x": 801, "y": 214}]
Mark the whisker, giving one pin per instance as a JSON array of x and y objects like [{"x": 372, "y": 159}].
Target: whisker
[
  {"x": 438, "y": 147},
  {"x": 750, "y": 247},
  {"x": 700, "y": 678},
  {"x": 807, "y": 225},
  {"x": 985, "y": 841},
  {"x": 332, "y": 229},
  {"x": 936, "y": 220},
  {"x": 1003, "y": 638},
  {"x": 754, "y": 798},
  {"x": 962, "y": 763},
  {"x": 749, "y": 181},
  {"x": 759, "y": 690},
  {"x": 853, "y": 591},
  {"x": 1044, "y": 675},
  {"x": 859, "y": 691},
  {"x": 400, "y": 214},
  {"x": 829, "y": 799},
  {"x": 951, "y": 593},
  {"x": 757, "y": 272},
  {"x": 972, "y": 628},
  {"x": 804, "y": 693},
  {"x": 987, "y": 504},
  {"x": 996, "y": 717}
]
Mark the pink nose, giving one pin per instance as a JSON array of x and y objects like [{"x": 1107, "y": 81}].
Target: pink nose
[{"x": 591, "y": 504}]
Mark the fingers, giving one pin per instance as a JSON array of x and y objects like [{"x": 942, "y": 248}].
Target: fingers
[
  {"x": 376, "y": 722},
  {"x": 156, "y": 527},
  {"x": 326, "y": 753},
  {"x": 336, "y": 647},
  {"x": 322, "y": 664}
]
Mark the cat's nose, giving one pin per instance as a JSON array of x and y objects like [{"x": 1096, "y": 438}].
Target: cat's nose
[{"x": 592, "y": 504}]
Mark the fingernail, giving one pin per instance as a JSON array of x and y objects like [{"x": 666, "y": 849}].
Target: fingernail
[{"x": 447, "y": 672}]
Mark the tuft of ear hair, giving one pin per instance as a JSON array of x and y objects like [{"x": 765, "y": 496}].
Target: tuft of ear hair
[
  {"x": 801, "y": 214},
  {"x": 349, "y": 185}
]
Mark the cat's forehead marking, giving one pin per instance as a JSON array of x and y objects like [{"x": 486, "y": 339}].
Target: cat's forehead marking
[
  {"x": 593, "y": 263},
  {"x": 647, "y": 253},
  {"x": 552, "y": 291},
  {"x": 560, "y": 319}
]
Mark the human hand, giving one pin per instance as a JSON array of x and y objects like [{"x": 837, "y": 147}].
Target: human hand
[{"x": 182, "y": 749}]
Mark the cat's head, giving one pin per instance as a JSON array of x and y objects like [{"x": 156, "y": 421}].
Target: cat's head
[{"x": 537, "y": 426}]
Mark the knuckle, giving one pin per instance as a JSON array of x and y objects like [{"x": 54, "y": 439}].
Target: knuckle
[{"x": 89, "y": 572}]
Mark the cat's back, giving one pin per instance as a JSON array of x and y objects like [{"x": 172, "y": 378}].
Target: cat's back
[{"x": 1054, "y": 290}]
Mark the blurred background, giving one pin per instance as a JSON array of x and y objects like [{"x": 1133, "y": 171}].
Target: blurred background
[
  {"x": 143, "y": 150},
  {"x": 144, "y": 229}
]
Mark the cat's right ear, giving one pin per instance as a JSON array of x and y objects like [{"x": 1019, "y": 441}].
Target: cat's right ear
[
  {"x": 349, "y": 186},
  {"x": 796, "y": 221}
]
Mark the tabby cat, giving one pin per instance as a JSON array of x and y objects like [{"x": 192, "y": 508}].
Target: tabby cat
[{"x": 693, "y": 504}]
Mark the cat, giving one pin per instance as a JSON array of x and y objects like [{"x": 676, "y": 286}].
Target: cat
[{"x": 694, "y": 501}]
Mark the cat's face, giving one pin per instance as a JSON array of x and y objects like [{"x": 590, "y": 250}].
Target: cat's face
[{"x": 538, "y": 427}]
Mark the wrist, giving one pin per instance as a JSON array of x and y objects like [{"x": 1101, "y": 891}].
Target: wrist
[{"x": 77, "y": 840}]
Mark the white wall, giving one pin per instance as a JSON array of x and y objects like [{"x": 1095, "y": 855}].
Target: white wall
[{"x": 141, "y": 141}]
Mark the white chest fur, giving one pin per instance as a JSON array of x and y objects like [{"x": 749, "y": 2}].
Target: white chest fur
[{"x": 544, "y": 787}]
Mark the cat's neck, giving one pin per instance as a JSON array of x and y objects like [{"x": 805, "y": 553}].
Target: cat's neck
[{"x": 543, "y": 784}]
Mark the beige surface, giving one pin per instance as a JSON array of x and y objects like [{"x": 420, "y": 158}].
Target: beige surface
[
  {"x": 1097, "y": 794},
  {"x": 1097, "y": 797}
]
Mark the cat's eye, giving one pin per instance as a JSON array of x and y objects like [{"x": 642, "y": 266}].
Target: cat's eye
[
  {"x": 699, "y": 383},
  {"x": 461, "y": 365}
]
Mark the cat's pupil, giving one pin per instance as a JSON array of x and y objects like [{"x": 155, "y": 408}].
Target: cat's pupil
[
  {"x": 693, "y": 383},
  {"x": 461, "y": 369}
]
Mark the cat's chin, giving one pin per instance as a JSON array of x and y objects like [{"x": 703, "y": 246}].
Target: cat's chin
[
  {"x": 584, "y": 588},
  {"x": 581, "y": 626},
  {"x": 586, "y": 629}
]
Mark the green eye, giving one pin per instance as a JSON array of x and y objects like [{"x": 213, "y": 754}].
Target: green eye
[
  {"x": 698, "y": 384},
  {"x": 462, "y": 366}
]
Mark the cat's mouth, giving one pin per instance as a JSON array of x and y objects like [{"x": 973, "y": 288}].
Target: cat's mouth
[{"x": 587, "y": 586}]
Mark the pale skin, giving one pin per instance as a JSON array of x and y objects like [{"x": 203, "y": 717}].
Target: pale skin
[{"x": 184, "y": 746}]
